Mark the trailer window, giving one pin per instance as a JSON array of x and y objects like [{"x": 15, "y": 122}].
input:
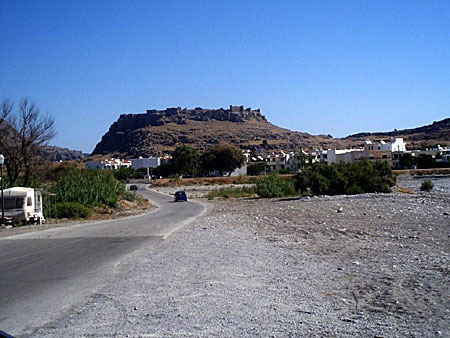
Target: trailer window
[
  {"x": 13, "y": 203},
  {"x": 29, "y": 202}
]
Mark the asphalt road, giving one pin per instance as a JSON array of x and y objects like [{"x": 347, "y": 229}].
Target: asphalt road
[{"x": 43, "y": 274}]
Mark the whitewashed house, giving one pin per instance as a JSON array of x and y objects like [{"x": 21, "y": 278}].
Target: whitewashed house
[
  {"x": 344, "y": 155},
  {"x": 381, "y": 150},
  {"x": 291, "y": 161},
  {"x": 112, "y": 164},
  {"x": 397, "y": 145}
]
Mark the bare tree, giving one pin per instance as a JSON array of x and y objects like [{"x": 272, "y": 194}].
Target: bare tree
[
  {"x": 12, "y": 162},
  {"x": 22, "y": 135},
  {"x": 6, "y": 108}
]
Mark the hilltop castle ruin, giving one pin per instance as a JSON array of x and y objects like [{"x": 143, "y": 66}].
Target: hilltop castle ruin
[{"x": 153, "y": 117}]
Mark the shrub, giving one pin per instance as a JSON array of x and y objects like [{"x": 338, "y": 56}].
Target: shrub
[
  {"x": 132, "y": 197},
  {"x": 256, "y": 169},
  {"x": 274, "y": 186},
  {"x": 283, "y": 171},
  {"x": 345, "y": 178},
  {"x": 427, "y": 185},
  {"x": 235, "y": 192},
  {"x": 70, "y": 210}
]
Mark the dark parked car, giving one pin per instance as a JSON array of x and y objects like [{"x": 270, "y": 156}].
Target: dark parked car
[
  {"x": 180, "y": 196},
  {"x": 133, "y": 187}
]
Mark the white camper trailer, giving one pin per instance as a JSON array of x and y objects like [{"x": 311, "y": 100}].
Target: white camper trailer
[{"x": 23, "y": 205}]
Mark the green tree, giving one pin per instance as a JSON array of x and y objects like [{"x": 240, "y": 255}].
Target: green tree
[
  {"x": 407, "y": 161},
  {"x": 124, "y": 174},
  {"x": 222, "y": 158},
  {"x": 164, "y": 170},
  {"x": 256, "y": 169},
  {"x": 184, "y": 160},
  {"x": 426, "y": 161}
]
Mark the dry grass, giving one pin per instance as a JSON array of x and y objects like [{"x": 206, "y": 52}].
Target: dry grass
[
  {"x": 170, "y": 182},
  {"x": 125, "y": 208},
  {"x": 422, "y": 172},
  {"x": 405, "y": 190}
]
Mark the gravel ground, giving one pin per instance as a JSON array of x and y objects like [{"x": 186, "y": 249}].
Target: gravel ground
[
  {"x": 441, "y": 183},
  {"x": 367, "y": 265}
]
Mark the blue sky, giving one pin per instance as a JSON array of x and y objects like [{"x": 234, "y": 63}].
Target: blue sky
[{"x": 323, "y": 67}]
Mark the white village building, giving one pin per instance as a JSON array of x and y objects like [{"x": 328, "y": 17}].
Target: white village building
[
  {"x": 112, "y": 164},
  {"x": 147, "y": 162}
]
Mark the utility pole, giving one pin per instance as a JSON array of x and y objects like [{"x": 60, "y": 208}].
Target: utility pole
[{"x": 2, "y": 161}]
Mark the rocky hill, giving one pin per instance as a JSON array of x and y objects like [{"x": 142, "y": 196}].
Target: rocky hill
[
  {"x": 163, "y": 130},
  {"x": 158, "y": 131},
  {"x": 436, "y": 133},
  {"x": 53, "y": 153}
]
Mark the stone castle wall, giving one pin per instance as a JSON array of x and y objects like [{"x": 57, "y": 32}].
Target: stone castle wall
[{"x": 127, "y": 122}]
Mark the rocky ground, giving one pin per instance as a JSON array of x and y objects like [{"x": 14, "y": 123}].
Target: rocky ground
[
  {"x": 367, "y": 265},
  {"x": 441, "y": 182}
]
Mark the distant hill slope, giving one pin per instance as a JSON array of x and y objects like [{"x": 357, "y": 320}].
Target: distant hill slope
[
  {"x": 54, "y": 153},
  {"x": 162, "y": 131},
  {"x": 436, "y": 133}
]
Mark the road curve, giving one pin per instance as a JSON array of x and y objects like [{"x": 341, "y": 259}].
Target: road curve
[{"x": 45, "y": 273}]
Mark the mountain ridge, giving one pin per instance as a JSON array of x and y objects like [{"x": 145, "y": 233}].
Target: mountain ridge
[
  {"x": 437, "y": 132},
  {"x": 161, "y": 131}
]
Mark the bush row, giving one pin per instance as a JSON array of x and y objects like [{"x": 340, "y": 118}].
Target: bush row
[
  {"x": 345, "y": 178},
  {"x": 322, "y": 179},
  {"x": 78, "y": 191}
]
